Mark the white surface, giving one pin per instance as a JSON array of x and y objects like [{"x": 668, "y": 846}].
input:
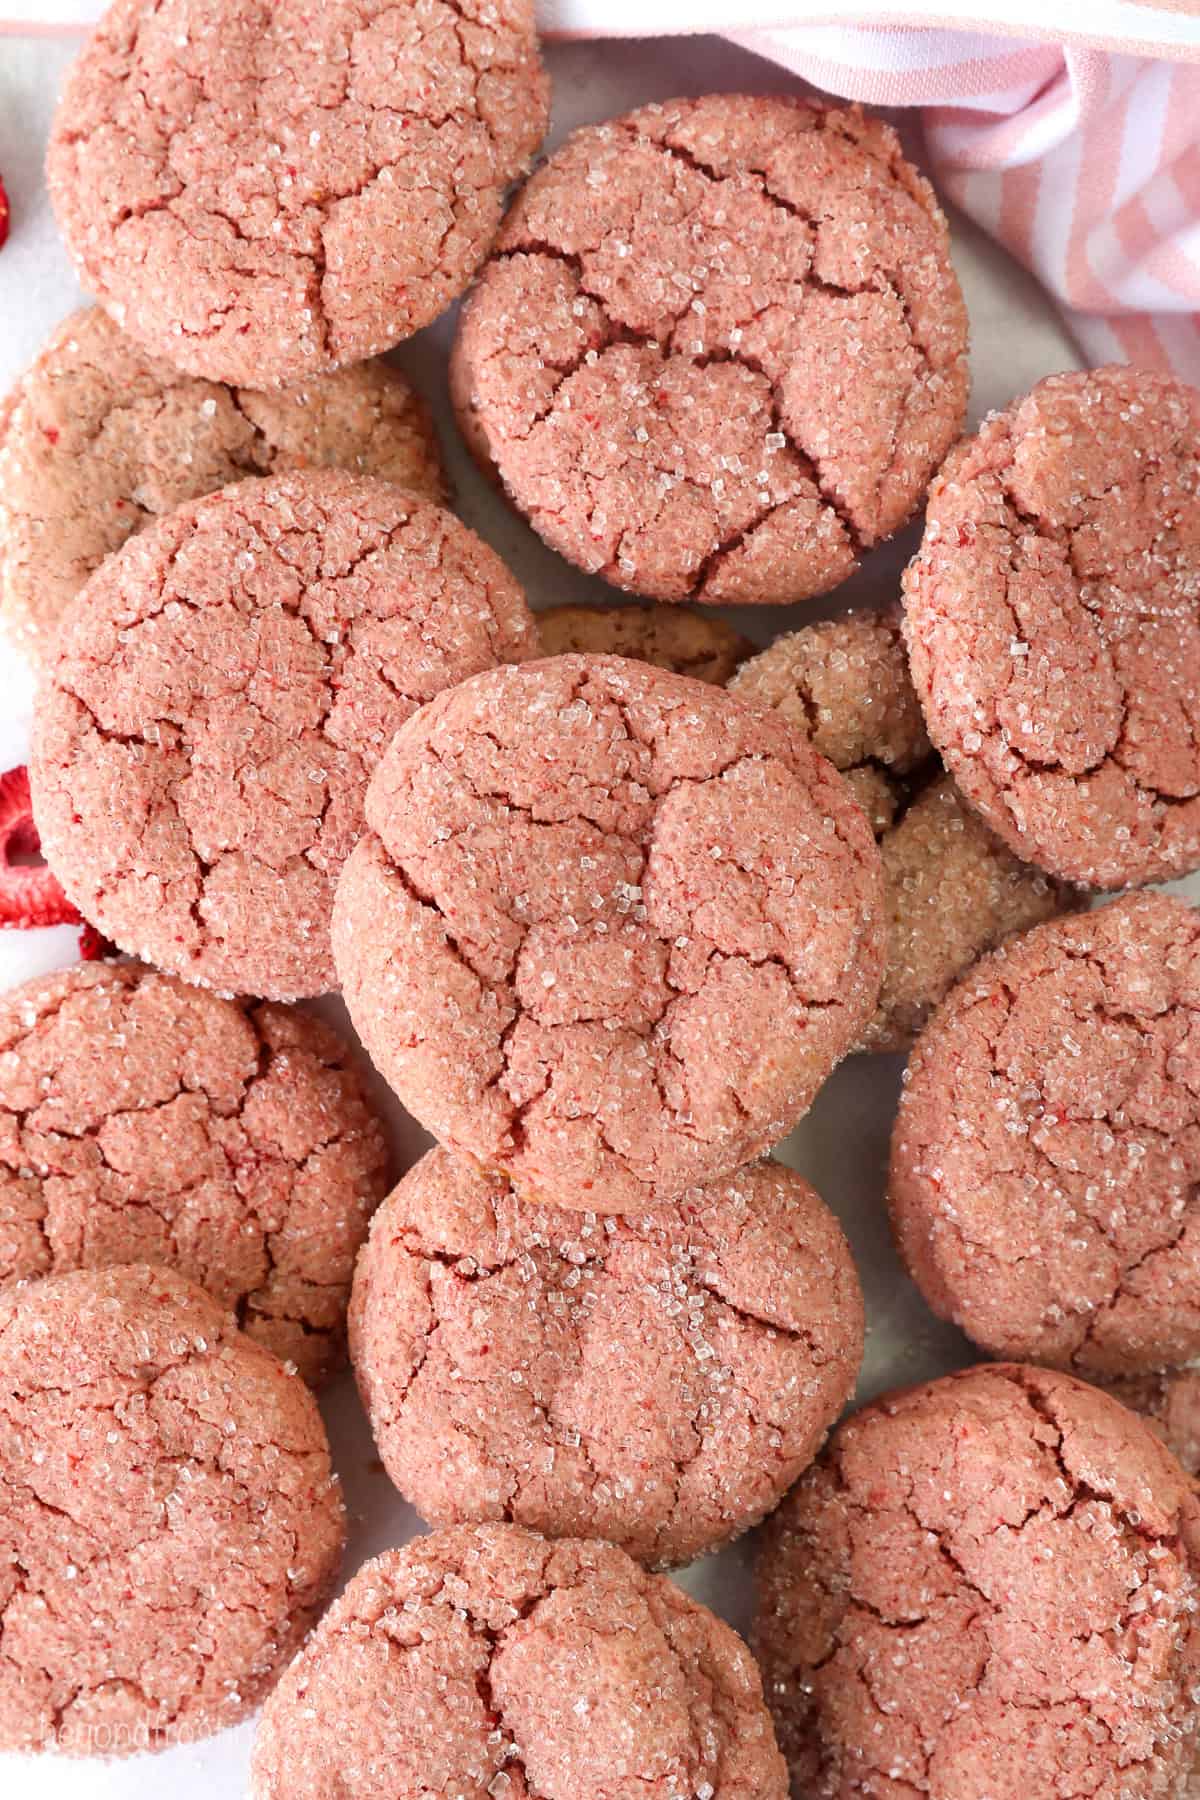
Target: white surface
[{"x": 842, "y": 1145}]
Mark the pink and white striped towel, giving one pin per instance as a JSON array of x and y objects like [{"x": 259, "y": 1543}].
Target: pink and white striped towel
[{"x": 1071, "y": 133}]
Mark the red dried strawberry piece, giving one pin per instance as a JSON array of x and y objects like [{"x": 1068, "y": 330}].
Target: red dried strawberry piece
[
  {"x": 30, "y": 894},
  {"x": 93, "y": 945},
  {"x": 5, "y": 213}
]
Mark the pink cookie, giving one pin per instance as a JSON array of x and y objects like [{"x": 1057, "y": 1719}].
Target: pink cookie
[
  {"x": 142, "y": 1120},
  {"x": 719, "y": 349},
  {"x": 485, "y": 1661},
  {"x": 609, "y": 929},
  {"x": 658, "y": 1381},
  {"x": 259, "y": 190},
  {"x": 223, "y": 688},
  {"x": 98, "y": 439},
  {"x": 169, "y": 1526},
  {"x": 1054, "y": 624},
  {"x": 953, "y": 889},
  {"x": 986, "y": 1589},
  {"x": 1046, "y": 1154}
]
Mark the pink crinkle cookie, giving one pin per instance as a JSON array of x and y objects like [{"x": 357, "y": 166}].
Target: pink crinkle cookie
[
  {"x": 169, "y": 1525},
  {"x": 222, "y": 689},
  {"x": 1046, "y": 1153},
  {"x": 482, "y": 1660},
  {"x": 608, "y": 929},
  {"x": 1053, "y": 622},
  {"x": 146, "y": 1121},
  {"x": 985, "y": 1589},
  {"x": 259, "y": 190},
  {"x": 657, "y": 1381},
  {"x": 719, "y": 349},
  {"x": 97, "y": 439}
]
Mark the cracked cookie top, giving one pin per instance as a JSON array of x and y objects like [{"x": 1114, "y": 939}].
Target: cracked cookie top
[
  {"x": 985, "y": 1587},
  {"x": 954, "y": 890},
  {"x": 482, "y": 1661},
  {"x": 98, "y": 439},
  {"x": 1053, "y": 621},
  {"x": 223, "y": 687},
  {"x": 1045, "y": 1179},
  {"x": 608, "y": 929},
  {"x": 258, "y": 190},
  {"x": 169, "y": 1523},
  {"x": 658, "y": 1381},
  {"x": 143, "y": 1120},
  {"x": 719, "y": 348}
]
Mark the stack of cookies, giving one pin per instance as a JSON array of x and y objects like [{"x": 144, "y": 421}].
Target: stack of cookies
[{"x": 608, "y": 894}]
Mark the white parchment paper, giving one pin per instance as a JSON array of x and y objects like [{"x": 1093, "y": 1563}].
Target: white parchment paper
[{"x": 842, "y": 1145}]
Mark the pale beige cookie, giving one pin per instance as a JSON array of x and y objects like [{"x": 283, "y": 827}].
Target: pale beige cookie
[
  {"x": 670, "y": 637},
  {"x": 953, "y": 889},
  {"x": 1169, "y": 1401},
  {"x": 98, "y": 438}
]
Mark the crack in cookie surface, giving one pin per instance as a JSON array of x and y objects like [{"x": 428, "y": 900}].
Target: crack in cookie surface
[
  {"x": 261, "y": 191},
  {"x": 142, "y": 1120},
  {"x": 560, "y": 1670},
  {"x": 1046, "y": 1158},
  {"x": 1054, "y": 628},
  {"x": 655, "y": 360},
  {"x": 170, "y": 1520},
  {"x": 608, "y": 929},
  {"x": 221, "y": 692},
  {"x": 656, "y": 1381},
  {"x": 985, "y": 1580}
]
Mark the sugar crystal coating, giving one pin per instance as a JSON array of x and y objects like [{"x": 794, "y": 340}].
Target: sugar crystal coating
[
  {"x": 844, "y": 683},
  {"x": 719, "y": 347},
  {"x": 608, "y": 929},
  {"x": 98, "y": 438},
  {"x": 1053, "y": 619},
  {"x": 953, "y": 889},
  {"x": 259, "y": 190},
  {"x": 169, "y": 1525},
  {"x": 222, "y": 689},
  {"x": 985, "y": 1588},
  {"x": 143, "y": 1120},
  {"x": 656, "y": 1381},
  {"x": 1046, "y": 1153},
  {"x": 482, "y": 1661}
]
